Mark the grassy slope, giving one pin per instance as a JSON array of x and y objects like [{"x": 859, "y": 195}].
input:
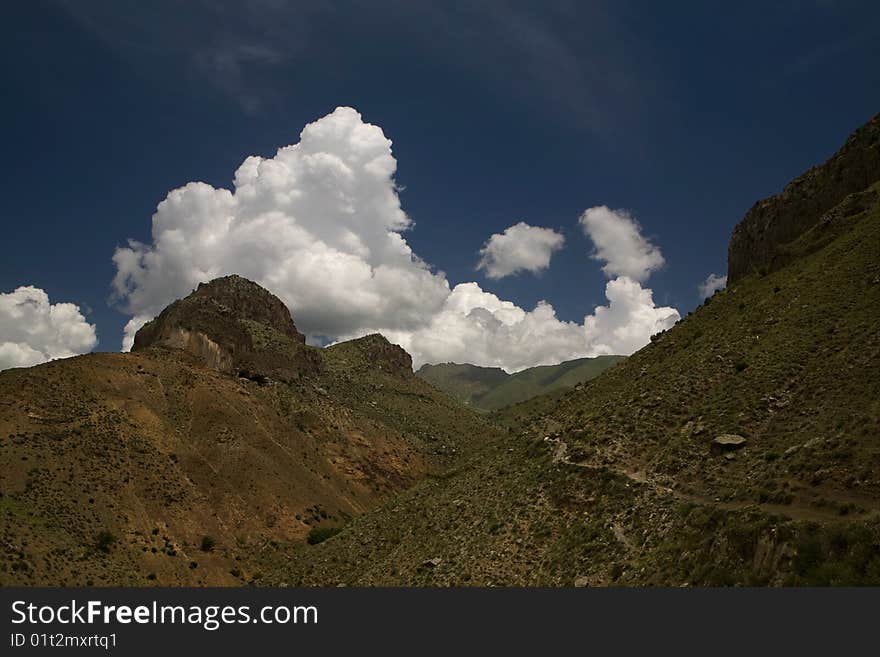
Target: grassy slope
[
  {"x": 464, "y": 382},
  {"x": 491, "y": 388},
  {"x": 615, "y": 481},
  {"x": 539, "y": 380}
]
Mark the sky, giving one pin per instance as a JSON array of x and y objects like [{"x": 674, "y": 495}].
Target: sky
[{"x": 503, "y": 183}]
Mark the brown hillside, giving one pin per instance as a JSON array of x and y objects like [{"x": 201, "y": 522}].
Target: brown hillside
[{"x": 115, "y": 467}]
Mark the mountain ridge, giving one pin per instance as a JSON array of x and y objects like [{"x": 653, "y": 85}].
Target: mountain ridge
[
  {"x": 758, "y": 240},
  {"x": 491, "y": 388}
]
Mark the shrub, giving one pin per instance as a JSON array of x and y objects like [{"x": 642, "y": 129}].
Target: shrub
[
  {"x": 208, "y": 543},
  {"x": 104, "y": 540},
  {"x": 321, "y": 534}
]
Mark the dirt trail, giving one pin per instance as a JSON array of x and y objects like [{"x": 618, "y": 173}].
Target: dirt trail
[{"x": 792, "y": 511}]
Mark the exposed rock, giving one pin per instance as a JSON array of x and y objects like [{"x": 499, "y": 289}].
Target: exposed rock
[
  {"x": 727, "y": 442},
  {"x": 770, "y": 224},
  {"x": 432, "y": 563},
  {"x": 235, "y": 326}
]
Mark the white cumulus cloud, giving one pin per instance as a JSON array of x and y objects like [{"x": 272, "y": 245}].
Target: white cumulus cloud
[
  {"x": 477, "y": 327},
  {"x": 620, "y": 244},
  {"x": 711, "y": 285},
  {"x": 33, "y": 330},
  {"x": 520, "y": 247},
  {"x": 321, "y": 226}
]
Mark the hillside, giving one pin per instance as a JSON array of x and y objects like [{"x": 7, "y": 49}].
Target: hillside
[
  {"x": 491, "y": 388},
  {"x": 222, "y": 423},
  {"x": 739, "y": 447},
  {"x": 463, "y": 381}
]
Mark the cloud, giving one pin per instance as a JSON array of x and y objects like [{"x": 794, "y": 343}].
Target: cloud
[
  {"x": 629, "y": 320},
  {"x": 619, "y": 242},
  {"x": 477, "y": 327},
  {"x": 260, "y": 52},
  {"x": 32, "y": 330},
  {"x": 519, "y": 248},
  {"x": 711, "y": 285},
  {"x": 321, "y": 226}
]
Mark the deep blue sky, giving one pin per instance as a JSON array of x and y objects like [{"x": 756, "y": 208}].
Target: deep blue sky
[{"x": 684, "y": 113}]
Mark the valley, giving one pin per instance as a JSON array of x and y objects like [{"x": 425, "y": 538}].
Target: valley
[{"x": 739, "y": 447}]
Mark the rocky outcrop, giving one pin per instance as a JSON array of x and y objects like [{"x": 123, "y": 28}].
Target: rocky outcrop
[
  {"x": 384, "y": 355},
  {"x": 774, "y": 222},
  {"x": 372, "y": 353},
  {"x": 235, "y": 326}
]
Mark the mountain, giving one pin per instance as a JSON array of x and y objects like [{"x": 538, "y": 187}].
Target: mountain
[
  {"x": 222, "y": 432},
  {"x": 759, "y": 240},
  {"x": 491, "y": 388},
  {"x": 738, "y": 447}
]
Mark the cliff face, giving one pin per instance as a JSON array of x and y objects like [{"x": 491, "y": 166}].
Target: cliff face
[
  {"x": 235, "y": 326},
  {"x": 773, "y": 222}
]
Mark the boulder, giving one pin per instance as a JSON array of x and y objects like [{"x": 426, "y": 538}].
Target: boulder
[{"x": 728, "y": 442}]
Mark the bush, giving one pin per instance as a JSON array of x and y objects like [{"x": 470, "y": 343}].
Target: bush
[
  {"x": 208, "y": 543},
  {"x": 104, "y": 540},
  {"x": 321, "y": 534}
]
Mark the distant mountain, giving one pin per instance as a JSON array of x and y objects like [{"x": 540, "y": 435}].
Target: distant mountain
[
  {"x": 463, "y": 381},
  {"x": 491, "y": 388}
]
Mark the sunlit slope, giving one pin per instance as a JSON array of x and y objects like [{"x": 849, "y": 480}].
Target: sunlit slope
[
  {"x": 153, "y": 468},
  {"x": 617, "y": 481}
]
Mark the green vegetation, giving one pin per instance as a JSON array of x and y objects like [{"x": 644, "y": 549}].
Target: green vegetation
[
  {"x": 619, "y": 480},
  {"x": 320, "y": 534},
  {"x": 104, "y": 540},
  {"x": 208, "y": 543},
  {"x": 464, "y": 382},
  {"x": 491, "y": 388},
  {"x": 615, "y": 481}
]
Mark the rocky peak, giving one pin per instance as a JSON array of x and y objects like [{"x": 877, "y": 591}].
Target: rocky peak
[
  {"x": 770, "y": 224},
  {"x": 382, "y": 353},
  {"x": 375, "y": 352},
  {"x": 235, "y": 326}
]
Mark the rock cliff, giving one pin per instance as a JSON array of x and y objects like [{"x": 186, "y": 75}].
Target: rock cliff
[
  {"x": 235, "y": 326},
  {"x": 770, "y": 224}
]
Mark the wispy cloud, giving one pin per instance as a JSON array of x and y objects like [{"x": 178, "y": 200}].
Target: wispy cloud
[{"x": 574, "y": 59}]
